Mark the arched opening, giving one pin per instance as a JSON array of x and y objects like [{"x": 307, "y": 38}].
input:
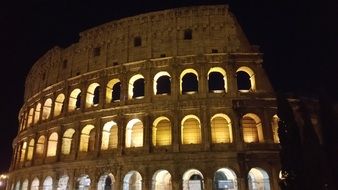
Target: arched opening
[
  {"x": 113, "y": 91},
  {"x": 274, "y": 124},
  {"x": 30, "y": 149},
  {"x": 258, "y": 179},
  {"x": 30, "y": 117},
  {"x": 87, "y": 140},
  {"x": 191, "y": 130},
  {"x": 162, "y": 84},
  {"x": 40, "y": 147},
  {"x": 35, "y": 184},
  {"x": 23, "y": 151},
  {"x": 52, "y": 144},
  {"x": 63, "y": 183},
  {"x": 161, "y": 180},
  {"x": 221, "y": 130},
  {"x": 161, "y": 132},
  {"x": 132, "y": 181},
  {"x": 47, "y": 107},
  {"x": 136, "y": 87},
  {"x": 225, "y": 179},
  {"x": 109, "y": 136},
  {"x": 193, "y": 179},
  {"x": 252, "y": 128},
  {"x": 17, "y": 185},
  {"x": 37, "y": 113},
  {"x": 58, "y": 108},
  {"x": 48, "y": 183},
  {"x": 106, "y": 182},
  {"x": 83, "y": 183},
  {"x": 245, "y": 79},
  {"x": 134, "y": 133},
  {"x": 67, "y": 141},
  {"x": 217, "y": 81},
  {"x": 74, "y": 100},
  {"x": 93, "y": 95},
  {"x": 25, "y": 185},
  {"x": 189, "y": 82}
]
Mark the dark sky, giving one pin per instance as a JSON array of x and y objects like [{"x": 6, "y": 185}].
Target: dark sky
[{"x": 299, "y": 40}]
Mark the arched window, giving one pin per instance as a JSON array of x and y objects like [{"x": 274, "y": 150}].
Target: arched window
[
  {"x": 48, "y": 183},
  {"x": 189, "y": 82},
  {"x": 35, "y": 184},
  {"x": 17, "y": 185},
  {"x": 67, "y": 141},
  {"x": 93, "y": 95},
  {"x": 87, "y": 141},
  {"x": 217, "y": 80},
  {"x": 193, "y": 179},
  {"x": 37, "y": 113},
  {"x": 30, "y": 117},
  {"x": 47, "y": 106},
  {"x": 161, "y": 180},
  {"x": 225, "y": 178},
  {"x": 136, "y": 87},
  {"x": 274, "y": 124},
  {"x": 106, "y": 182},
  {"x": 161, "y": 84},
  {"x": 191, "y": 130},
  {"x": 258, "y": 179},
  {"x": 74, "y": 100},
  {"x": 132, "y": 181},
  {"x": 252, "y": 128},
  {"x": 30, "y": 149},
  {"x": 63, "y": 183},
  {"x": 58, "y": 108},
  {"x": 40, "y": 147},
  {"x": 221, "y": 130},
  {"x": 245, "y": 79},
  {"x": 25, "y": 185},
  {"x": 109, "y": 136},
  {"x": 23, "y": 151},
  {"x": 161, "y": 132},
  {"x": 83, "y": 183},
  {"x": 52, "y": 144},
  {"x": 134, "y": 133},
  {"x": 24, "y": 126},
  {"x": 113, "y": 91}
]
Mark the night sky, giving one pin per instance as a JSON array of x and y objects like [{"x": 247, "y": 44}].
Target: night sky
[{"x": 299, "y": 40}]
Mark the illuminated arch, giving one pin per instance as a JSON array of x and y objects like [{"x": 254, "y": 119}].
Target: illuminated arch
[
  {"x": 132, "y": 181},
  {"x": 113, "y": 91},
  {"x": 58, "y": 107},
  {"x": 30, "y": 117},
  {"x": 132, "y": 86},
  {"x": 274, "y": 124},
  {"x": 191, "y": 130},
  {"x": 48, "y": 183},
  {"x": 251, "y": 78},
  {"x": 221, "y": 129},
  {"x": 35, "y": 184},
  {"x": 258, "y": 179},
  {"x": 215, "y": 80},
  {"x": 40, "y": 146},
  {"x": 161, "y": 131},
  {"x": 109, "y": 136},
  {"x": 252, "y": 128},
  {"x": 225, "y": 178},
  {"x": 74, "y": 100},
  {"x": 52, "y": 144},
  {"x": 161, "y": 180},
  {"x": 63, "y": 183},
  {"x": 47, "y": 107},
  {"x": 67, "y": 141},
  {"x": 83, "y": 183},
  {"x": 93, "y": 95},
  {"x": 157, "y": 79},
  {"x": 87, "y": 140},
  {"x": 25, "y": 185},
  {"x": 134, "y": 133},
  {"x": 106, "y": 181},
  {"x": 30, "y": 149},
  {"x": 17, "y": 185},
  {"x": 23, "y": 151},
  {"x": 193, "y": 179},
  {"x": 37, "y": 113},
  {"x": 184, "y": 74}
]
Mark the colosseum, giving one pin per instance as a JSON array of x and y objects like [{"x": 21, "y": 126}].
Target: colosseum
[{"x": 173, "y": 99}]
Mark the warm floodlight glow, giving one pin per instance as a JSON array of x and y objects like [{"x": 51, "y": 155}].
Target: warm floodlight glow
[
  {"x": 110, "y": 89},
  {"x": 59, "y": 104},
  {"x": 156, "y": 77},
  {"x": 131, "y": 85},
  {"x": 221, "y": 130},
  {"x": 109, "y": 136},
  {"x": 52, "y": 144},
  {"x": 274, "y": 124},
  {"x": 252, "y": 128},
  {"x": 161, "y": 180},
  {"x": 67, "y": 141},
  {"x": 186, "y": 71},
  {"x": 134, "y": 133},
  {"x": 161, "y": 131},
  {"x": 191, "y": 130},
  {"x": 252, "y": 78},
  {"x": 258, "y": 179},
  {"x": 92, "y": 96},
  {"x": 73, "y": 100},
  {"x": 222, "y": 71},
  {"x": 87, "y": 138}
]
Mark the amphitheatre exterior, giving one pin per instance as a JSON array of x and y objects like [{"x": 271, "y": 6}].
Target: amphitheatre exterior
[{"x": 173, "y": 99}]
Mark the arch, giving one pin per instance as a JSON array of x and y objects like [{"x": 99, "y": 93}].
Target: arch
[
  {"x": 113, "y": 91},
  {"x": 30, "y": 117},
  {"x": 48, "y": 183},
  {"x": 274, "y": 125},
  {"x": 161, "y": 83},
  {"x": 136, "y": 83},
  {"x": 252, "y": 128},
  {"x": 83, "y": 183},
  {"x": 109, "y": 136},
  {"x": 25, "y": 185},
  {"x": 87, "y": 139},
  {"x": 221, "y": 129},
  {"x": 67, "y": 141},
  {"x": 245, "y": 79},
  {"x": 134, "y": 133},
  {"x": 63, "y": 183},
  {"x": 74, "y": 100},
  {"x": 30, "y": 149},
  {"x": 161, "y": 131},
  {"x": 225, "y": 178},
  {"x": 23, "y": 151},
  {"x": 40, "y": 146},
  {"x": 52, "y": 144},
  {"x": 189, "y": 81},
  {"x": 47, "y": 107},
  {"x": 132, "y": 181},
  {"x": 161, "y": 180},
  {"x": 17, "y": 185},
  {"x": 191, "y": 130},
  {"x": 93, "y": 95},
  {"x": 37, "y": 113},
  {"x": 258, "y": 179},
  {"x": 106, "y": 182},
  {"x": 193, "y": 179},
  {"x": 217, "y": 80},
  {"x": 35, "y": 184},
  {"x": 58, "y": 107}
]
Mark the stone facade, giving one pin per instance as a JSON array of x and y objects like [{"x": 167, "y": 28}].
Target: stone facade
[{"x": 69, "y": 103}]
